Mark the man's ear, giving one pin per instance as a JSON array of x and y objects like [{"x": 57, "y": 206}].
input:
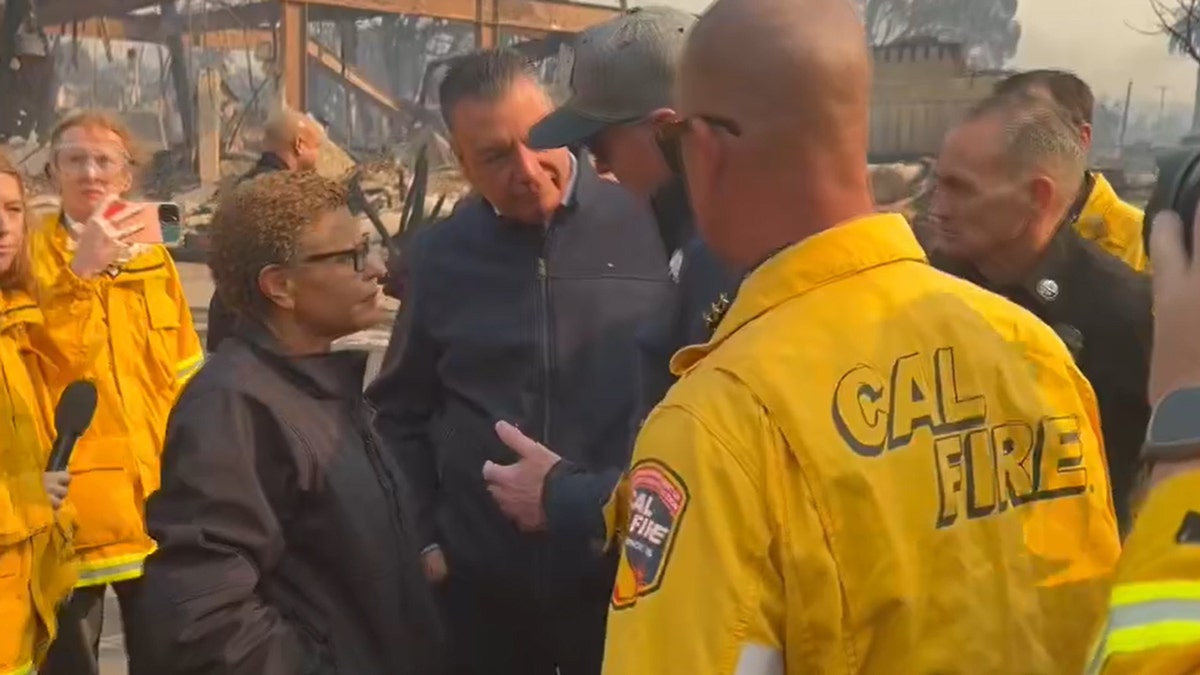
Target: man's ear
[
  {"x": 1041, "y": 190},
  {"x": 275, "y": 284},
  {"x": 1085, "y": 136}
]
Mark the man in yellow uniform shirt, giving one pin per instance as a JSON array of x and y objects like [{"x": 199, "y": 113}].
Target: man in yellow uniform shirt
[
  {"x": 871, "y": 467},
  {"x": 1153, "y": 623}
]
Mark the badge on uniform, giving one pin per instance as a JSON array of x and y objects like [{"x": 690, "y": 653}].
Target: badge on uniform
[
  {"x": 658, "y": 501},
  {"x": 716, "y": 311}
]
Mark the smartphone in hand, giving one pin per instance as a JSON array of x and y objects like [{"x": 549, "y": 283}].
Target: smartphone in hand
[{"x": 161, "y": 222}]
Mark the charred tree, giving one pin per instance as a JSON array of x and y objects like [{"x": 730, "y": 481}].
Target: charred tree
[
  {"x": 26, "y": 70},
  {"x": 987, "y": 29},
  {"x": 1179, "y": 21},
  {"x": 184, "y": 94}
]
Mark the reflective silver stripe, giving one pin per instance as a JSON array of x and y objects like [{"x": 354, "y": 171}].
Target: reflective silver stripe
[
  {"x": 1131, "y": 628},
  {"x": 758, "y": 659},
  {"x": 124, "y": 569},
  {"x": 187, "y": 371},
  {"x": 1142, "y": 613}
]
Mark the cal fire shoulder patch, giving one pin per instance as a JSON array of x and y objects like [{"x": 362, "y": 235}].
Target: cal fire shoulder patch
[{"x": 658, "y": 500}]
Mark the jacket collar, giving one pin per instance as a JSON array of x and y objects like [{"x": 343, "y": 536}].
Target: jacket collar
[
  {"x": 847, "y": 249},
  {"x": 1044, "y": 282},
  {"x": 18, "y": 308},
  {"x": 336, "y": 375},
  {"x": 1102, "y": 198},
  {"x": 269, "y": 161}
]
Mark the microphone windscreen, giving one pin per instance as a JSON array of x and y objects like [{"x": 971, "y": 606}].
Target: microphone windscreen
[{"x": 75, "y": 409}]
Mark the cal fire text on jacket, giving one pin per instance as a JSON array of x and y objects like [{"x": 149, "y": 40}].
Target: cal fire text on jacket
[{"x": 985, "y": 464}]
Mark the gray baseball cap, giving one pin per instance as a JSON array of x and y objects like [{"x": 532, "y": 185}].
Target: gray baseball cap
[{"x": 623, "y": 70}]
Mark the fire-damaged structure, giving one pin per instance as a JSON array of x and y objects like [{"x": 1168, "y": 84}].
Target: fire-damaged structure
[{"x": 277, "y": 32}]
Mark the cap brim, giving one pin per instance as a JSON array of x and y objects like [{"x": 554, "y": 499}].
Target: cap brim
[{"x": 564, "y": 127}]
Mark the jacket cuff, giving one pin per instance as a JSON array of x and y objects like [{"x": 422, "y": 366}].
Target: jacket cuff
[{"x": 569, "y": 501}]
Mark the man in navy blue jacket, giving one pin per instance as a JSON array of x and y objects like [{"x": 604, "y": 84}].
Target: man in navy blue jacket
[
  {"x": 622, "y": 80},
  {"x": 520, "y": 311}
]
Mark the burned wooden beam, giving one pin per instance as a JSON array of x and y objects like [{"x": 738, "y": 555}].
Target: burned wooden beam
[
  {"x": 549, "y": 16},
  {"x": 179, "y": 75},
  {"x": 293, "y": 53},
  {"x": 52, "y": 12}
]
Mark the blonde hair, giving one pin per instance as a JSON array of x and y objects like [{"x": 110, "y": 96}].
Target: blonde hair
[
  {"x": 19, "y": 275},
  {"x": 100, "y": 119}
]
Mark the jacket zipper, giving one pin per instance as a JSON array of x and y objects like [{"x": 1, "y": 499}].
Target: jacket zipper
[
  {"x": 544, "y": 289},
  {"x": 386, "y": 481},
  {"x": 543, "y": 274}
]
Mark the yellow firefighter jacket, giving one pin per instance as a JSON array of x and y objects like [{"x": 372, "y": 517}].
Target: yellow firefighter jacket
[
  {"x": 1113, "y": 224},
  {"x": 36, "y": 570},
  {"x": 150, "y": 350},
  {"x": 1154, "y": 611},
  {"x": 872, "y": 467}
]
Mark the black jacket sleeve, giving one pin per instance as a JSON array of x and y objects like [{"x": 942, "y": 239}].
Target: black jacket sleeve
[
  {"x": 218, "y": 534},
  {"x": 574, "y": 499},
  {"x": 406, "y": 395}
]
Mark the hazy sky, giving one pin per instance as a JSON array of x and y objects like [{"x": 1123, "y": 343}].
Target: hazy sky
[
  {"x": 1099, "y": 39},
  {"x": 1096, "y": 38}
]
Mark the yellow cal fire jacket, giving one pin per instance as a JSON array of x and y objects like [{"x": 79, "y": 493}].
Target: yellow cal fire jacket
[
  {"x": 1153, "y": 622},
  {"x": 36, "y": 569},
  {"x": 151, "y": 350},
  {"x": 1113, "y": 224},
  {"x": 870, "y": 468}
]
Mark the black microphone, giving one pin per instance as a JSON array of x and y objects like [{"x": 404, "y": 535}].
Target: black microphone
[{"x": 72, "y": 416}]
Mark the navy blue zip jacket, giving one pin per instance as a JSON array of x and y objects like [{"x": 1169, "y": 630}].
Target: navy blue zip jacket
[{"x": 533, "y": 325}]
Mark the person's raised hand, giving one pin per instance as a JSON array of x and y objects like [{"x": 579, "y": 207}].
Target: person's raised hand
[
  {"x": 102, "y": 239},
  {"x": 518, "y": 487}
]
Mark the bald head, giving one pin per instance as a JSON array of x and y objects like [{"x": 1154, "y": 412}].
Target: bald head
[
  {"x": 294, "y": 137},
  {"x": 799, "y": 66},
  {"x": 789, "y": 81}
]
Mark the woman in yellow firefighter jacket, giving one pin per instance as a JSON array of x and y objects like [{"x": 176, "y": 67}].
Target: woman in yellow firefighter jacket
[
  {"x": 83, "y": 263},
  {"x": 36, "y": 571}
]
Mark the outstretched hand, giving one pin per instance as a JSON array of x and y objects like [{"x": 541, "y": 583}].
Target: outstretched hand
[{"x": 518, "y": 487}]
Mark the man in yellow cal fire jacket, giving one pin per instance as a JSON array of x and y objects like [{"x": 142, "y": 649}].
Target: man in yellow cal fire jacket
[
  {"x": 871, "y": 467},
  {"x": 1153, "y": 623},
  {"x": 151, "y": 348}
]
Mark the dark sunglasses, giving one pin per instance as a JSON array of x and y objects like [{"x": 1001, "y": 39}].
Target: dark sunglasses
[
  {"x": 359, "y": 254},
  {"x": 676, "y": 129}
]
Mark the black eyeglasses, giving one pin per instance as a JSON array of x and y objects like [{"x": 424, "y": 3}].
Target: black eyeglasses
[
  {"x": 359, "y": 254},
  {"x": 675, "y": 129}
]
